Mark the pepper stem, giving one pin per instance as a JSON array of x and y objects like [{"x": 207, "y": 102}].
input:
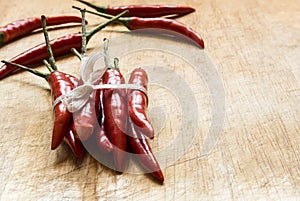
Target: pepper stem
[
  {"x": 123, "y": 20},
  {"x": 76, "y": 53},
  {"x": 49, "y": 49},
  {"x": 102, "y": 25},
  {"x": 98, "y": 8},
  {"x": 83, "y": 49},
  {"x": 35, "y": 72},
  {"x": 116, "y": 63},
  {"x": 106, "y": 58},
  {"x": 48, "y": 65}
]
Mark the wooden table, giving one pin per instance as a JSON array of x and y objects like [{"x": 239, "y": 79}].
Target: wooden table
[{"x": 254, "y": 46}]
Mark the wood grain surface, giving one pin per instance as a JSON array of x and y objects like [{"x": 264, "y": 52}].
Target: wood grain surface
[{"x": 254, "y": 46}]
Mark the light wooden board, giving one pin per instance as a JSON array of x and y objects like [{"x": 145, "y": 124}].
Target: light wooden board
[{"x": 254, "y": 46}]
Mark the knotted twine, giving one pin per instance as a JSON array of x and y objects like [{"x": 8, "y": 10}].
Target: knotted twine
[{"x": 75, "y": 99}]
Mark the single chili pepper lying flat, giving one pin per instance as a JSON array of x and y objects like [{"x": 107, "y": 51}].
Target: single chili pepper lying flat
[
  {"x": 22, "y": 27},
  {"x": 133, "y": 23},
  {"x": 137, "y": 102},
  {"x": 139, "y": 146},
  {"x": 142, "y": 10},
  {"x": 61, "y": 46}
]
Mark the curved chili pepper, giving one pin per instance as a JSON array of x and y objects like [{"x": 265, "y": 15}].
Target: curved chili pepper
[
  {"x": 102, "y": 140},
  {"x": 139, "y": 146},
  {"x": 133, "y": 23},
  {"x": 75, "y": 144},
  {"x": 137, "y": 102},
  {"x": 61, "y": 46},
  {"x": 22, "y": 27},
  {"x": 115, "y": 112},
  {"x": 142, "y": 10}
]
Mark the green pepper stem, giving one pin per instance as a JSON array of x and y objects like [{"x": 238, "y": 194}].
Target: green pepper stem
[
  {"x": 76, "y": 53},
  {"x": 105, "y": 46},
  {"x": 83, "y": 49},
  {"x": 49, "y": 49},
  {"x": 123, "y": 20},
  {"x": 98, "y": 8},
  {"x": 116, "y": 63},
  {"x": 48, "y": 65},
  {"x": 35, "y": 72},
  {"x": 102, "y": 25}
]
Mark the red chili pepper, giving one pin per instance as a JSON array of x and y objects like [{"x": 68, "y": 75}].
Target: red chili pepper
[
  {"x": 137, "y": 102},
  {"x": 101, "y": 133},
  {"x": 22, "y": 27},
  {"x": 139, "y": 145},
  {"x": 85, "y": 119},
  {"x": 59, "y": 85},
  {"x": 75, "y": 144},
  {"x": 115, "y": 111},
  {"x": 133, "y": 23},
  {"x": 61, "y": 46},
  {"x": 142, "y": 10},
  {"x": 71, "y": 138},
  {"x": 102, "y": 140}
]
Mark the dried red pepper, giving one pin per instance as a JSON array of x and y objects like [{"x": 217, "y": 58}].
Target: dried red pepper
[
  {"x": 138, "y": 101},
  {"x": 142, "y": 10},
  {"x": 22, "y": 27},
  {"x": 61, "y": 46},
  {"x": 133, "y": 23}
]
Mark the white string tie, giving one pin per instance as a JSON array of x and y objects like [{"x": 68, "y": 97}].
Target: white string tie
[{"x": 75, "y": 99}]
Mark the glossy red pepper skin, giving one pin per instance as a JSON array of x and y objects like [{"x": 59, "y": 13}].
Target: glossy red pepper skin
[
  {"x": 60, "y": 85},
  {"x": 75, "y": 144},
  {"x": 115, "y": 111},
  {"x": 149, "y": 10},
  {"x": 142, "y": 10},
  {"x": 133, "y": 23},
  {"x": 22, "y": 27},
  {"x": 85, "y": 119},
  {"x": 139, "y": 146},
  {"x": 167, "y": 24},
  {"x": 101, "y": 134},
  {"x": 137, "y": 102},
  {"x": 60, "y": 46},
  {"x": 102, "y": 140}
]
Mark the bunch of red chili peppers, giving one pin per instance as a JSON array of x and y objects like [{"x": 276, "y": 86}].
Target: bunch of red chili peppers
[{"x": 114, "y": 118}]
